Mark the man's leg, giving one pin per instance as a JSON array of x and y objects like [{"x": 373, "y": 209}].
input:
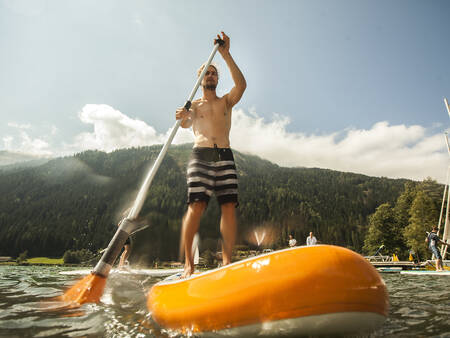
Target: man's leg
[
  {"x": 191, "y": 223},
  {"x": 228, "y": 230},
  {"x": 124, "y": 256}
]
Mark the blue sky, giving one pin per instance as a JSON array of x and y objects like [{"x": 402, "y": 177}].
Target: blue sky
[{"x": 347, "y": 85}]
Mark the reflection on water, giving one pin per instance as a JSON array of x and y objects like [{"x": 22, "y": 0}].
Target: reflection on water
[{"x": 419, "y": 306}]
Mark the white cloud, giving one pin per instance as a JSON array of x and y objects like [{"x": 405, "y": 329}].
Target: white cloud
[
  {"x": 26, "y": 144},
  {"x": 396, "y": 151},
  {"x": 393, "y": 151},
  {"x": 113, "y": 130}
]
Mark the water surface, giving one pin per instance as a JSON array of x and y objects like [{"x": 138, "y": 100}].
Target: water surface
[{"x": 419, "y": 306}]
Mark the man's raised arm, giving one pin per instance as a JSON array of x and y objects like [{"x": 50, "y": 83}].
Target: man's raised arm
[{"x": 240, "y": 84}]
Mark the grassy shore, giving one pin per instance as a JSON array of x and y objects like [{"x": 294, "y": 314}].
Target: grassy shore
[
  {"x": 37, "y": 261},
  {"x": 45, "y": 260}
]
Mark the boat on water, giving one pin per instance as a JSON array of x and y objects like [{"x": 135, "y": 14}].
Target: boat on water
[
  {"x": 426, "y": 272},
  {"x": 320, "y": 289}
]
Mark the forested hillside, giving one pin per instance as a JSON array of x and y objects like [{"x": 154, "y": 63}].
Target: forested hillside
[{"x": 75, "y": 202}]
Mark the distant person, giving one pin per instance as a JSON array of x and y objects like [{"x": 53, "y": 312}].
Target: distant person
[
  {"x": 125, "y": 254},
  {"x": 292, "y": 241},
  {"x": 432, "y": 240},
  {"x": 140, "y": 225},
  {"x": 311, "y": 240},
  {"x": 211, "y": 168}
]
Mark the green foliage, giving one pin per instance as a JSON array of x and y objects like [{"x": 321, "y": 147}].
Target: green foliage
[
  {"x": 74, "y": 203},
  {"x": 22, "y": 259},
  {"x": 423, "y": 216},
  {"x": 384, "y": 229},
  {"x": 209, "y": 258},
  {"x": 70, "y": 257},
  {"x": 77, "y": 256},
  {"x": 404, "y": 226}
]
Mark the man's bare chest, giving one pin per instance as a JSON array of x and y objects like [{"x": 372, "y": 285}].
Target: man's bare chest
[{"x": 211, "y": 111}]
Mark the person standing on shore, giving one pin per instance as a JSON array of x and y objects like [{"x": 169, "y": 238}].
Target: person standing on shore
[
  {"x": 311, "y": 239},
  {"x": 211, "y": 168},
  {"x": 292, "y": 241},
  {"x": 432, "y": 240}
]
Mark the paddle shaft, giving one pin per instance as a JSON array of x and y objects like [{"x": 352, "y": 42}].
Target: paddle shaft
[
  {"x": 134, "y": 212},
  {"x": 127, "y": 226}
]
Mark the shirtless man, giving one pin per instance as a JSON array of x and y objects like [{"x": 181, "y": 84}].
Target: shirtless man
[{"x": 211, "y": 167}]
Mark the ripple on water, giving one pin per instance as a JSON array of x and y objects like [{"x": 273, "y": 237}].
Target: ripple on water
[{"x": 419, "y": 307}]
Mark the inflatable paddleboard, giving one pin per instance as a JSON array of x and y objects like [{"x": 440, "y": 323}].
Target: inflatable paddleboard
[
  {"x": 310, "y": 290},
  {"x": 426, "y": 272},
  {"x": 146, "y": 272}
]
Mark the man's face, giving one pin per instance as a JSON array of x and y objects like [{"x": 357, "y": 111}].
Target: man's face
[{"x": 211, "y": 79}]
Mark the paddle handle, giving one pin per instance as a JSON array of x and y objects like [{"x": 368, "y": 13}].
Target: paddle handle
[{"x": 127, "y": 226}]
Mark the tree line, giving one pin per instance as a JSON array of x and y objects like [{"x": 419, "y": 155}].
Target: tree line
[
  {"x": 75, "y": 203},
  {"x": 401, "y": 226}
]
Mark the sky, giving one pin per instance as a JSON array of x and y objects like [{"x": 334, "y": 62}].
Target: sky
[{"x": 348, "y": 85}]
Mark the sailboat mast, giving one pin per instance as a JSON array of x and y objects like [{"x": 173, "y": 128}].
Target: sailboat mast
[{"x": 445, "y": 234}]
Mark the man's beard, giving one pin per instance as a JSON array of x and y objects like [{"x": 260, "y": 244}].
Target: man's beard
[{"x": 210, "y": 87}]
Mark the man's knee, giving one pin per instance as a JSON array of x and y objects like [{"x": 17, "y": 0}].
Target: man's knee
[{"x": 197, "y": 208}]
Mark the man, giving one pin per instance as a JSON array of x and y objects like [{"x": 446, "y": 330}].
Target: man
[
  {"x": 432, "y": 240},
  {"x": 211, "y": 168},
  {"x": 292, "y": 241},
  {"x": 311, "y": 240}
]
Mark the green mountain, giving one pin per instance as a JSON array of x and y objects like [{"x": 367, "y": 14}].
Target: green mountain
[{"x": 76, "y": 202}]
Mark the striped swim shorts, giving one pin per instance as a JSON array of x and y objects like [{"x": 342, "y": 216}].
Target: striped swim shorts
[{"x": 212, "y": 170}]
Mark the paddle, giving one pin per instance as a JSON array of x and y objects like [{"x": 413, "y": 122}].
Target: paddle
[{"x": 90, "y": 288}]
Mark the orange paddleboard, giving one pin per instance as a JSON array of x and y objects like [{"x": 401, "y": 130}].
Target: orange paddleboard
[{"x": 303, "y": 290}]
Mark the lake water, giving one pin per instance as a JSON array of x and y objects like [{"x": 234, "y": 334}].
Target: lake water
[{"x": 419, "y": 306}]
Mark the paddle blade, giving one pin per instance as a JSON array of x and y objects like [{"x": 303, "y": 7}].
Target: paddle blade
[{"x": 87, "y": 290}]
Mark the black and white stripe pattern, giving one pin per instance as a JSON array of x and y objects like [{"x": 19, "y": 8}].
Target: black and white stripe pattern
[{"x": 206, "y": 177}]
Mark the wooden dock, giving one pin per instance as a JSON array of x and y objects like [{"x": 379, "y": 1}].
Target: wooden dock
[{"x": 404, "y": 265}]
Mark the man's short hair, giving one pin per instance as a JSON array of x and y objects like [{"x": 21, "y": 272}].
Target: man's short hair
[
  {"x": 199, "y": 71},
  {"x": 435, "y": 228}
]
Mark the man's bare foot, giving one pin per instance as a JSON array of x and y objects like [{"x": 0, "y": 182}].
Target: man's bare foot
[{"x": 188, "y": 271}]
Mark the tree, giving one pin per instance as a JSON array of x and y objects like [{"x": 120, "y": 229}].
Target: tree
[
  {"x": 383, "y": 229},
  {"x": 424, "y": 215},
  {"x": 403, "y": 204},
  {"x": 70, "y": 257}
]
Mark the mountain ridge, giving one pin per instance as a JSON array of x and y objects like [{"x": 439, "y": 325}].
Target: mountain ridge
[{"x": 75, "y": 202}]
